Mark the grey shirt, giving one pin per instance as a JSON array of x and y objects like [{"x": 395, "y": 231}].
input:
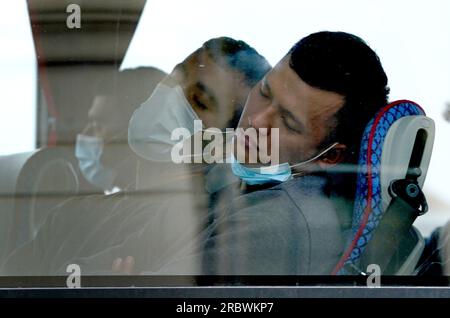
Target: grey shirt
[{"x": 290, "y": 229}]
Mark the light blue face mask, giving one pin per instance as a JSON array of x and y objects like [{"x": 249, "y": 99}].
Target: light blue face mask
[
  {"x": 88, "y": 151},
  {"x": 270, "y": 174}
]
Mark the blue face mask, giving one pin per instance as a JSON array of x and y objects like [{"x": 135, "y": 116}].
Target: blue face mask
[
  {"x": 263, "y": 175},
  {"x": 88, "y": 151},
  {"x": 270, "y": 174}
]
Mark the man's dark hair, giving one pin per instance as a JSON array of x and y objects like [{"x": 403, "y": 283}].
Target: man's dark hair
[
  {"x": 343, "y": 63},
  {"x": 239, "y": 56}
]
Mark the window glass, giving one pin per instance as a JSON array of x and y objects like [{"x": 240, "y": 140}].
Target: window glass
[{"x": 200, "y": 141}]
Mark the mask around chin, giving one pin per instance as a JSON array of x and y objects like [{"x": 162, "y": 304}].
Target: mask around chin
[
  {"x": 88, "y": 151},
  {"x": 275, "y": 173},
  {"x": 263, "y": 175},
  {"x": 152, "y": 124}
]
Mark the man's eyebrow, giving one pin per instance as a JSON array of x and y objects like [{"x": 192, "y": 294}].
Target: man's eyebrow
[
  {"x": 286, "y": 113},
  {"x": 283, "y": 110},
  {"x": 266, "y": 85},
  {"x": 207, "y": 91}
]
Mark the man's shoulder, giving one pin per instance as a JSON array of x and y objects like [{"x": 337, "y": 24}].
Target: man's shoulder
[
  {"x": 296, "y": 190},
  {"x": 295, "y": 196},
  {"x": 295, "y": 221}
]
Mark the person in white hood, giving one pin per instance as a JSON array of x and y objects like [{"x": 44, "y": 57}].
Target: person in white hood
[{"x": 211, "y": 85}]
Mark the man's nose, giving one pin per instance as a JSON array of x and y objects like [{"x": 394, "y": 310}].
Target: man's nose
[{"x": 263, "y": 119}]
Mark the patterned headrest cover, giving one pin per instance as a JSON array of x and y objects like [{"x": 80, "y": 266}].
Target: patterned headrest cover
[{"x": 368, "y": 210}]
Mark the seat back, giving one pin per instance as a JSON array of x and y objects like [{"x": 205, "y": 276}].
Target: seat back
[
  {"x": 396, "y": 145},
  {"x": 10, "y": 167},
  {"x": 41, "y": 179}
]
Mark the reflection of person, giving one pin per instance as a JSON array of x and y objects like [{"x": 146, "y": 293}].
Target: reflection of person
[
  {"x": 320, "y": 95},
  {"x": 211, "y": 85},
  {"x": 102, "y": 149},
  {"x": 216, "y": 80}
]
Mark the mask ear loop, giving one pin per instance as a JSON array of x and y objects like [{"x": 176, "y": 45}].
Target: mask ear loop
[{"x": 311, "y": 159}]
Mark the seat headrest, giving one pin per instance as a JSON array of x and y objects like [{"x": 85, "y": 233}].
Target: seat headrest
[{"x": 396, "y": 141}]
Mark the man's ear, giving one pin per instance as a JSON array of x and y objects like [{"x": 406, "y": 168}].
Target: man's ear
[{"x": 332, "y": 157}]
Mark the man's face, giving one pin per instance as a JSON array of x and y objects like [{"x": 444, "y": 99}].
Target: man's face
[
  {"x": 103, "y": 120},
  {"x": 214, "y": 92},
  {"x": 303, "y": 114}
]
